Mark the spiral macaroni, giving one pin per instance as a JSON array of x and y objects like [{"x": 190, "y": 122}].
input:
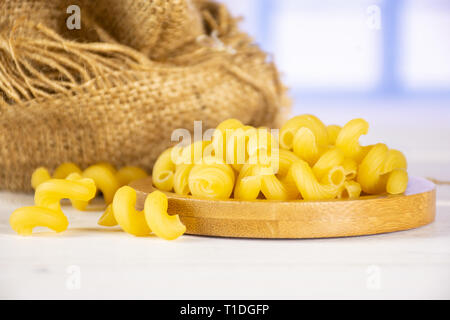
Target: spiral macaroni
[
  {"x": 248, "y": 184},
  {"x": 307, "y": 183},
  {"x": 168, "y": 227},
  {"x": 47, "y": 211},
  {"x": 163, "y": 171},
  {"x": 213, "y": 180},
  {"x": 348, "y": 138},
  {"x": 291, "y": 127}
]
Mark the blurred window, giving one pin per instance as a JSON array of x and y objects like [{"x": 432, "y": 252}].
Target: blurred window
[{"x": 378, "y": 47}]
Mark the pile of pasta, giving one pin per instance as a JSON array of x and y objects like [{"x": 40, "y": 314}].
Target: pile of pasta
[
  {"x": 68, "y": 181},
  {"x": 306, "y": 160}
]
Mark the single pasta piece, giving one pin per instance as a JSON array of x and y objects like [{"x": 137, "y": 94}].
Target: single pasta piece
[
  {"x": 108, "y": 166},
  {"x": 350, "y": 190},
  {"x": 24, "y": 220},
  {"x": 65, "y": 169},
  {"x": 287, "y": 158},
  {"x": 75, "y": 187},
  {"x": 330, "y": 159},
  {"x": 348, "y": 138},
  {"x": 351, "y": 168},
  {"x": 307, "y": 183},
  {"x": 397, "y": 181},
  {"x": 395, "y": 160},
  {"x": 305, "y": 146},
  {"x": 377, "y": 167},
  {"x": 212, "y": 180},
  {"x": 290, "y": 128},
  {"x": 160, "y": 222},
  {"x": 104, "y": 179},
  {"x": 181, "y": 179},
  {"x": 39, "y": 176},
  {"x": 221, "y": 134},
  {"x": 335, "y": 177},
  {"x": 273, "y": 189},
  {"x": 128, "y": 218},
  {"x": 47, "y": 210},
  {"x": 128, "y": 174},
  {"x": 163, "y": 171},
  {"x": 248, "y": 184},
  {"x": 333, "y": 132},
  {"x": 107, "y": 219}
]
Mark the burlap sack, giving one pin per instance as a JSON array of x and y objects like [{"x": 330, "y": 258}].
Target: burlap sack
[{"x": 116, "y": 89}]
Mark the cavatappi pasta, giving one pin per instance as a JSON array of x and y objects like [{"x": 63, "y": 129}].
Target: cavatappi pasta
[
  {"x": 308, "y": 160},
  {"x": 65, "y": 181},
  {"x": 47, "y": 210},
  {"x": 70, "y": 182}
]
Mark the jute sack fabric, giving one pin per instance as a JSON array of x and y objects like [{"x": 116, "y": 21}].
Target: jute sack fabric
[{"x": 116, "y": 89}]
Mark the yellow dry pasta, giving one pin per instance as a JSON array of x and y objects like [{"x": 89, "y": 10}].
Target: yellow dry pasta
[
  {"x": 333, "y": 133},
  {"x": 192, "y": 153},
  {"x": 261, "y": 144},
  {"x": 107, "y": 219},
  {"x": 165, "y": 226},
  {"x": 307, "y": 184},
  {"x": 104, "y": 179},
  {"x": 370, "y": 169},
  {"x": 39, "y": 176},
  {"x": 394, "y": 160},
  {"x": 305, "y": 146},
  {"x": 108, "y": 166},
  {"x": 128, "y": 218},
  {"x": 248, "y": 184},
  {"x": 397, "y": 181},
  {"x": 65, "y": 169},
  {"x": 221, "y": 134},
  {"x": 274, "y": 189},
  {"x": 47, "y": 210},
  {"x": 163, "y": 171},
  {"x": 291, "y": 127},
  {"x": 351, "y": 168},
  {"x": 350, "y": 190},
  {"x": 377, "y": 167},
  {"x": 348, "y": 138},
  {"x": 237, "y": 146},
  {"x": 128, "y": 174},
  {"x": 213, "y": 180},
  {"x": 181, "y": 179},
  {"x": 287, "y": 158},
  {"x": 330, "y": 159},
  {"x": 315, "y": 162},
  {"x": 335, "y": 177}
]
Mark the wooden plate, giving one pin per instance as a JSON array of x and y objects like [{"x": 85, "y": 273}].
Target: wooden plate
[{"x": 302, "y": 219}]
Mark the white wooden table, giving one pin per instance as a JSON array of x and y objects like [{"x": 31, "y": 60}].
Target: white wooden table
[{"x": 90, "y": 262}]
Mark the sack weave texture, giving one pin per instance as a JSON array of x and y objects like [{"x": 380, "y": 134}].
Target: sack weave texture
[{"x": 116, "y": 89}]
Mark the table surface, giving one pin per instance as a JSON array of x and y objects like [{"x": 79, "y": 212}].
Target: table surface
[{"x": 92, "y": 262}]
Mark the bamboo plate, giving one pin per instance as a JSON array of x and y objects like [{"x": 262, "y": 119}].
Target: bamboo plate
[{"x": 302, "y": 219}]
